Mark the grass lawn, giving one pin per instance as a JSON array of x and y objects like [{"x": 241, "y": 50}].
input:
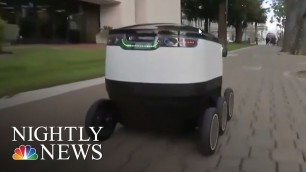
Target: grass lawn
[
  {"x": 235, "y": 46},
  {"x": 34, "y": 67}
]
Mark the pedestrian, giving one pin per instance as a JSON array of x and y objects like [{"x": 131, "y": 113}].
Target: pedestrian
[{"x": 267, "y": 40}]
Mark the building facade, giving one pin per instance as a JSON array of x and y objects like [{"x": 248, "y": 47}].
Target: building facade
[
  {"x": 129, "y": 12},
  {"x": 80, "y": 20}
]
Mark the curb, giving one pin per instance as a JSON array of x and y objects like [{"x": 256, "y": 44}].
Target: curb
[
  {"x": 40, "y": 94},
  {"x": 242, "y": 49}
]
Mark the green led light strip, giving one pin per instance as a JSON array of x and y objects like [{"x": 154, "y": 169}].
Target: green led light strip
[{"x": 127, "y": 45}]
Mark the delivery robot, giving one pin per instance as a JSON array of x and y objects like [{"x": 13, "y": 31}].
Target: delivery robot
[{"x": 163, "y": 75}]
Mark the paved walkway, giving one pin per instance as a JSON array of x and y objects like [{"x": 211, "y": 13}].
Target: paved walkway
[
  {"x": 268, "y": 131},
  {"x": 266, "y": 134}
]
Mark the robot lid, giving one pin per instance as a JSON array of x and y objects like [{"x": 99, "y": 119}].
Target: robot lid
[{"x": 153, "y": 36}]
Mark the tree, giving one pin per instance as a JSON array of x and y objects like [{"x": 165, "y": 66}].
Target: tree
[
  {"x": 295, "y": 24},
  {"x": 258, "y": 16},
  {"x": 237, "y": 17},
  {"x": 191, "y": 9},
  {"x": 201, "y": 10},
  {"x": 2, "y": 27},
  {"x": 222, "y": 23},
  {"x": 242, "y": 12},
  {"x": 278, "y": 7}
]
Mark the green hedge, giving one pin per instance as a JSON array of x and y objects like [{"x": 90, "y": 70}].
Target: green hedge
[{"x": 11, "y": 32}]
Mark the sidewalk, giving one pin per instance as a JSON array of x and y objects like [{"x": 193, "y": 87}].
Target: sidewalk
[{"x": 268, "y": 131}]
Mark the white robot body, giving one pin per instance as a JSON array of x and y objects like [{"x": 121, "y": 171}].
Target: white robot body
[
  {"x": 165, "y": 65},
  {"x": 163, "y": 71}
]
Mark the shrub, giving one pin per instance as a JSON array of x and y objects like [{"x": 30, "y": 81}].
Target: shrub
[
  {"x": 103, "y": 34},
  {"x": 107, "y": 28},
  {"x": 101, "y": 37},
  {"x": 2, "y": 27},
  {"x": 11, "y": 32}
]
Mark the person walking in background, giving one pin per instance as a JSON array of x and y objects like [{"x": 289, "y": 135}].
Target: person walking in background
[
  {"x": 267, "y": 40},
  {"x": 271, "y": 39}
]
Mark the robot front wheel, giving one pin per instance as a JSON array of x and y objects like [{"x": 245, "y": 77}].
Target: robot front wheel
[
  {"x": 209, "y": 125},
  {"x": 213, "y": 122},
  {"x": 101, "y": 114}
]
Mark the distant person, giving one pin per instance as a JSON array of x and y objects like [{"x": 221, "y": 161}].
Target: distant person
[
  {"x": 267, "y": 40},
  {"x": 271, "y": 39}
]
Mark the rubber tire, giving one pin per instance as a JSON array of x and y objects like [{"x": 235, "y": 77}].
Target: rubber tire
[
  {"x": 221, "y": 103},
  {"x": 230, "y": 110},
  {"x": 204, "y": 131},
  {"x": 105, "y": 109}
]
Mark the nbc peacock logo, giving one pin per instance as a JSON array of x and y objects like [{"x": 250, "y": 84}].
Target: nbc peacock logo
[{"x": 25, "y": 153}]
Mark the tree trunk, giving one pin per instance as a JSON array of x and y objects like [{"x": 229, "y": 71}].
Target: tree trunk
[
  {"x": 299, "y": 39},
  {"x": 294, "y": 48},
  {"x": 206, "y": 24},
  {"x": 222, "y": 28},
  {"x": 17, "y": 14},
  {"x": 303, "y": 43},
  {"x": 37, "y": 22},
  {"x": 291, "y": 31},
  {"x": 239, "y": 32},
  {"x": 295, "y": 35}
]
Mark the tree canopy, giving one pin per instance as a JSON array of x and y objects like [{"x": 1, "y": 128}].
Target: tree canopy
[
  {"x": 240, "y": 12},
  {"x": 278, "y": 7},
  {"x": 200, "y": 9}
]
